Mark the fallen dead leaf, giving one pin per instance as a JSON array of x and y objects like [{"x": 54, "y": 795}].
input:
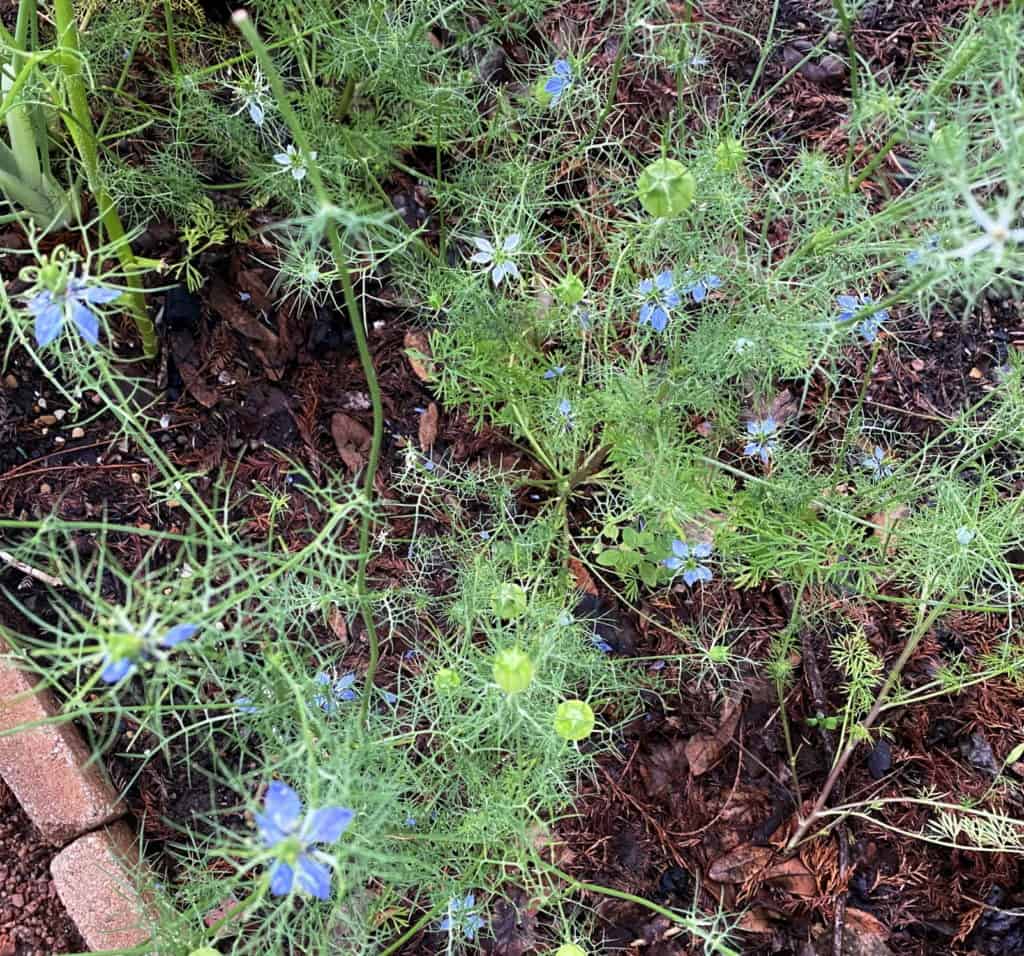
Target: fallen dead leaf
[
  {"x": 760, "y": 919},
  {"x": 742, "y": 863},
  {"x": 417, "y": 350},
  {"x": 351, "y": 439},
  {"x": 337, "y": 623},
  {"x": 704, "y": 750},
  {"x": 262, "y": 340},
  {"x": 794, "y": 877},
  {"x": 864, "y": 935},
  {"x": 582, "y": 577},
  {"x": 428, "y": 427}
]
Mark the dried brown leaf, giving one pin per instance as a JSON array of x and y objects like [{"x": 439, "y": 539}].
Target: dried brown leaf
[
  {"x": 704, "y": 750},
  {"x": 351, "y": 439},
  {"x": 742, "y": 863},
  {"x": 428, "y": 427},
  {"x": 794, "y": 877},
  {"x": 417, "y": 350}
]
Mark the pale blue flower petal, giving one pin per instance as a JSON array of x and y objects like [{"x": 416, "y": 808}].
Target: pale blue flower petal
[
  {"x": 314, "y": 877},
  {"x": 281, "y": 878}
]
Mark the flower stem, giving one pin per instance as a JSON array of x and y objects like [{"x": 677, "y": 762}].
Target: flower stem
[
  {"x": 329, "y": 223},
  {"x": 80, "y": 128}
]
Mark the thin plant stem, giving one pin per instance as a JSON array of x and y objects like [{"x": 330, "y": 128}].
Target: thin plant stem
[
  {"x": 80, "y": 128},
  {"x": 328, "y": 213},
  {"x": 922, "y": 628}
]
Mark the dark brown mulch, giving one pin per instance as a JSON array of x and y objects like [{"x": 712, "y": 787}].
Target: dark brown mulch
[{"x": 33, "y": 921}]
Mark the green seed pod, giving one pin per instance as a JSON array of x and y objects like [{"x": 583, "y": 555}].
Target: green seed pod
[
  {"x": 730, "y": 155},
  {"x": 570, "y": 289},
  {"x": 205, "y": 951},
  {"x": 513, "y": 670},
  {"x": 666, "y": 188},
  {"x": 570, "y": 949},
  {"x": 447, "y": 680},
  {"x": 509, "y": 602},
  {"x": 574, "y": 720}
]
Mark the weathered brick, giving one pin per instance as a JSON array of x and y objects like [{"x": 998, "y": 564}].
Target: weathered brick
[
  {"x": 95, "y": 878},
  {"x": 45, "y": 766}
]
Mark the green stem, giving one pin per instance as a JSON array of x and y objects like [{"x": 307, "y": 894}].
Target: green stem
[
  {"x": 922, "y": 628},
  {"x": 329, "y": 220},
  {"x": 80, "y": 128},
  {"x": 689, "y": 923},
  {"x": 846, "y": 23}
]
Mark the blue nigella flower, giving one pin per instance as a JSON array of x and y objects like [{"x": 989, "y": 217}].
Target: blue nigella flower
[
  {"x": 292, "y": 837},
  {"x": 51, "y": 309},
  {"x": 964, "y": 536},
  {"x": 602, "y": 645},
  {"x": 128, "y": 650},
  {"x": 462, "y": 914},
  {"x": 875, "y": 463},
  {"x": 687, "y": 558},
  {"x": 245, "y": 705},
  {"x": 337, "y": 689},
  {"x": 565, "y": 408},
  {"x": 851, "y": 305},
  {"x": 560, "y": 82},
  {"x": 698, "y": 289},
  {"x": 410, "y": 822},
  {"x": 917, "y": 256},
  {"x": 554, "y": 372},
  {"x": 291, "y": 160},
  {"x": 498, "y": 263},
  {"x": 661, "y": 297},
  {"x": 762, "y": 432}
]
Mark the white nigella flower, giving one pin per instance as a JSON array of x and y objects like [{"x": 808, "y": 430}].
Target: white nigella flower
[
  {"x": 995, "y": 233},
  {"x": 291, "y": 159},
  {"x": 253, "y": 92},
  {"x": 498, "y": 261}
]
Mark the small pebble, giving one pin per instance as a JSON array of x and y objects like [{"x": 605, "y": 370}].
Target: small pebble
[{"x": 78, "y": 432}]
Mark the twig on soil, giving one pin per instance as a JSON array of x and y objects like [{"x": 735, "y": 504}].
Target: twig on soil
[{"x": 32, "y": 572}]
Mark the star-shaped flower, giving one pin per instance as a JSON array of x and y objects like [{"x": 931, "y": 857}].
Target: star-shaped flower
[
  {"x": 687, "y": 558},
  {"x": 660, "y": 298},
  {"x": 995, "y": 233},
  {"x": 560, "y": 82},
  {"x": 498, "y": 261},
  {"x": 762, "y": 432},
  {"x": 51, "y": 309},
  {"x": 292, "y": 838},
  {"x": 292, "y": 160}
]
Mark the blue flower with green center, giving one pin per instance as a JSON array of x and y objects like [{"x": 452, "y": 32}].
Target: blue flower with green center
[
  {"x": 852, "y": 305},
  {"x": 462, "y": 915},
  {"x": 762, "y": 432},
  {"x": 52, "y": 309},
  {"x": 660, "y": 298},
  {"x": 336, "y": 689},
  {"x": 687, "y": 558},
  {"x": 698, "y": 289},
  {"x": 292, "y": 837},
  {"x": 876, "y": 464},
  {"x": 125, "y": 651},
  {"x": 560, "y": 82}
]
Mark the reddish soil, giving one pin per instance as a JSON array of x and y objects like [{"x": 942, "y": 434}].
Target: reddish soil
[{"x": 33, "y": 921}]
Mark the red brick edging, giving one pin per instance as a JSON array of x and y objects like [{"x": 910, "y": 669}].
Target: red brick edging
[{"x": 73, "y": 805}]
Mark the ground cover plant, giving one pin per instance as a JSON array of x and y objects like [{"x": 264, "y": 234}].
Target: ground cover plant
[{"x": 528, "y": 477}]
